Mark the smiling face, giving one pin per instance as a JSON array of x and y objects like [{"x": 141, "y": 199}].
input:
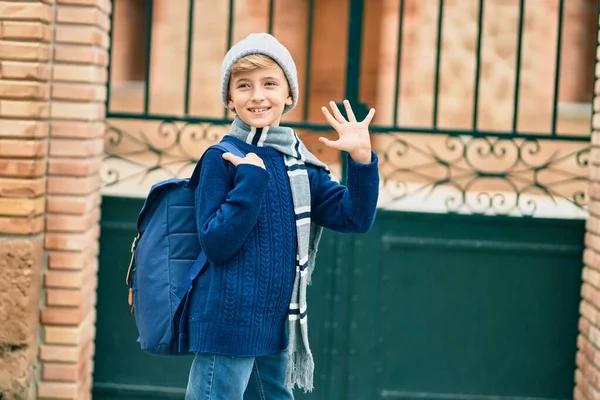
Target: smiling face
[{"x": 258, "y": 91}]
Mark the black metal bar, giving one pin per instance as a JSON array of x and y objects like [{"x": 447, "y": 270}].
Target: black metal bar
[
  {"x": 595, "y": 78},
  {"x": 188, "y": 70},
  {"x": 373, "y": 128},
  {"x": 309, "y": 38},
  {"x": 557, "y": 71},
  {"x": 398, "y": 63},
  {"x": 355, "y": 31},
  {"x": 518, "y": 65},
  {"x": 149, "y": 20},
  {"x": 108, "y": 68},
  {"x": 229, "y": 37},
  {"x": 271, "y": 13},
  {"x": 438, "y": 59},
  {"x": 478, "y": 65}
]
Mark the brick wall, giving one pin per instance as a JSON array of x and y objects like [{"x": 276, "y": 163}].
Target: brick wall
[
  {"x": 25, "y": 35},
  {"x": 53, "y": 58},
  {"x": 587, "y": 375}
]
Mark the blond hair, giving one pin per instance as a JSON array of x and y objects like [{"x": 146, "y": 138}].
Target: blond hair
[{"x": 252, "y": 62}]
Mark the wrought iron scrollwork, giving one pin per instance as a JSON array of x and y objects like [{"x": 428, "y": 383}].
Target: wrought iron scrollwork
[
  {"x": 457, "y": 174},
  {"x": 169, "y": 151},
  {"x": 487, "y": 175}
]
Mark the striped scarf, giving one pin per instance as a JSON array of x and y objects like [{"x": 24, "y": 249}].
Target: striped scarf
[{"x": 285, "y": 140}]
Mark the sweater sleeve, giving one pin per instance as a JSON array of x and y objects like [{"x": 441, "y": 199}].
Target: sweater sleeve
[
  {"x": 349, "y": 208},
  {"x": 227, "y": 209}
]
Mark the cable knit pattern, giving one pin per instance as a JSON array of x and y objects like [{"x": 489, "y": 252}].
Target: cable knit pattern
[
  {"x": 246, "y": 226},
  {"x": 285, "y": 235},
  {"x": 265, "y": 269}
]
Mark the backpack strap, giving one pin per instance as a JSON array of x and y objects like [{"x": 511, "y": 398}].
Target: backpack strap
[
  {"x": 184, "y": 292},
  {"x": 225, "y": 147}
]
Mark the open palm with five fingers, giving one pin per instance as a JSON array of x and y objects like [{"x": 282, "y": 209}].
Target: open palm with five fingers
[{"x": 353, "y": 135}]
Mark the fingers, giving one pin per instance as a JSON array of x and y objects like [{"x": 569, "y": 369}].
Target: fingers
[
  {"x": 336, "y": 112},
  {"x": 251, "y": 158},
  {"x": 349, "y": 111},
  {"x": 254, "y": 159},
  {"x": 232, "y": 158},
  {"x": 330, "y": 143},
  {"x": 369, "y": 116},
  {"x": 332, "y": 121}
]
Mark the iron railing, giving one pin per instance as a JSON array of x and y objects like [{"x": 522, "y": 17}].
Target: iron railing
[{"x": 521, "y": 150}]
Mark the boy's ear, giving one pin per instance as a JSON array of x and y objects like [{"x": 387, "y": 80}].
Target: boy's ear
[
  {"x": 289, "y": 101},
  {"x": 230, "y": 106}
]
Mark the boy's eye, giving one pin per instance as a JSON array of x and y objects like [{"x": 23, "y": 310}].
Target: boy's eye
[
  {"x": 242, "y": 85},
  {"x": 270, "y": 83}
]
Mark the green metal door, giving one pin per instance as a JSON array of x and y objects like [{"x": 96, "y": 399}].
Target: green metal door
[{"x": 468, "y": 285}]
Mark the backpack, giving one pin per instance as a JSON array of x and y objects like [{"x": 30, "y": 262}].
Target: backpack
[{"x": 166, "y": 259}]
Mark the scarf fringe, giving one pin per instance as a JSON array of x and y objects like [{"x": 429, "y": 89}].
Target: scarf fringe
[{"x": 300, "y": 370}]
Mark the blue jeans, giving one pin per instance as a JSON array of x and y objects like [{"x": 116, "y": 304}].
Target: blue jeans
[{"x": 215, "y": 377}]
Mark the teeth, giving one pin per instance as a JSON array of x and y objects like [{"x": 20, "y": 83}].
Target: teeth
[{"x": 258, "y": 109}]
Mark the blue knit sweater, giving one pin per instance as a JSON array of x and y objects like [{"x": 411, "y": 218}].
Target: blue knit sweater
[{"x": 247, "y": 230}]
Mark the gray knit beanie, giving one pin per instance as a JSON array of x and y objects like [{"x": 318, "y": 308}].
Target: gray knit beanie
[{"x": 265, "y": 44}]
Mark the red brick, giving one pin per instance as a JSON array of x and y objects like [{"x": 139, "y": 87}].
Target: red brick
[
  {"x": 12, "y": 148},
  {"x": 19, "y": 30},
  {"x": 22, "y": 168},
  {"x": 79, "y": 73},
  {"x": 19, "y": 188},
  {"x": 25, "y": 11},
  {"x": 76, "y": 111},
  {"x": 591, "y": 258},
  {"x": 22, "y": 207},
  {"x": 23, "y": 129},
  {"x": 63, "y": 279},
  {"x": 80, "y": 54},
  {"x": 73, "y": 185},
  {"x": 588, "y": 311},
  {"x": 24, "y": 51},
  {"x": 74, "y": 167},
  {"x": 24, "y": 90},
  {"x": 103, "y": 5},
  {"x": 79, "y": 92},
  {"x": 31, "y": 71},
  {"x": 21, "y": 226},
  {"x": 60, "y": 353},
  {"x": 23, "y": 109},
  {"x": 61, "y": 315},
  {"x": 63, "y": 334},
  {"x": 592, "y": 276},
  {"x": 81, "y": 34},
  {"x": 71, "y": 241},
  {"x": 77, "y": 130},
  {"x": 64, "y": 297},
  {"x": 76, "y": 148},
  {"x": 83, "y": 16},
  {"x": 57, "y": 390},
  {"x": 72, "y": 205},
  {"x": 71, "y": 260},
  {"x": 69, "y": 223},
  {"x": 60, "y": 372}
]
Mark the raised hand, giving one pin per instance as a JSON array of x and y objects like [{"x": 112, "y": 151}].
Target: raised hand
[
  {"x": 353, "y": 136},
  {"x": 251, "y": 158}
]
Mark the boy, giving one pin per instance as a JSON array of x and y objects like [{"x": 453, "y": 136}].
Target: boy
[{"x": 259, "y": 221}]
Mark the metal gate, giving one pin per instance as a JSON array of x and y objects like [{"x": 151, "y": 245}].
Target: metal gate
[{"x": 468, "y": 285}]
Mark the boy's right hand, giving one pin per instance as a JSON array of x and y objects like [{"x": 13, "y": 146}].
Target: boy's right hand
[{"x": 251, "y": 158}]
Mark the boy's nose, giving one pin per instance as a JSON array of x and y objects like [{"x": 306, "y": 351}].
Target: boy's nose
[{"x": 258, "y": 96}]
